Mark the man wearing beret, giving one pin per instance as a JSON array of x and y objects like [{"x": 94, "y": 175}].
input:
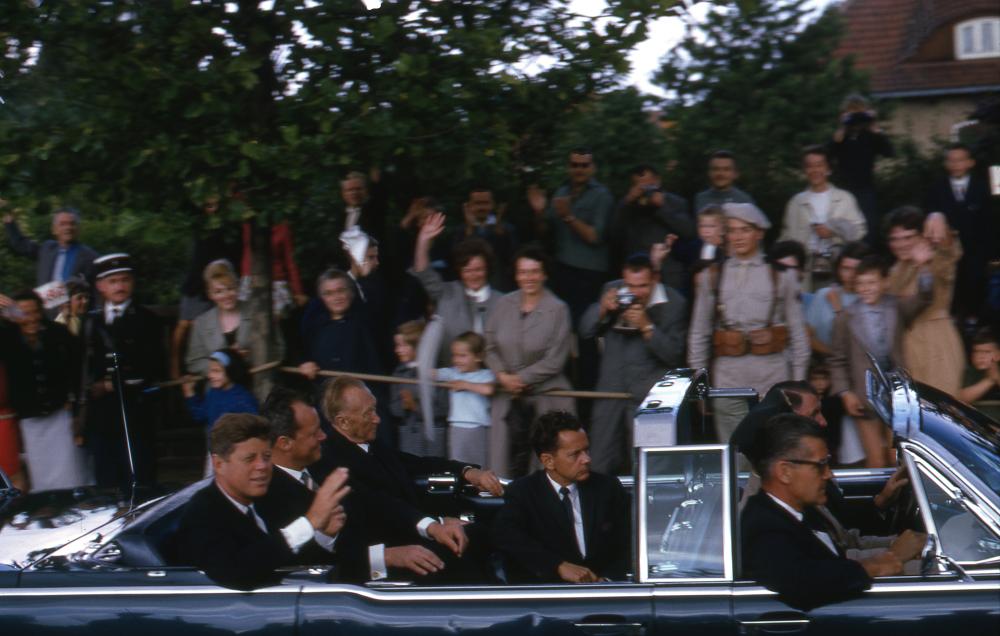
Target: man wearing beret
[
  {"x": 134, "y": 333},
  {"x": 747, "y": 326}
]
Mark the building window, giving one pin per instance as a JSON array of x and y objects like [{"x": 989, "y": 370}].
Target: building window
[{"x": 977, "y": 38}]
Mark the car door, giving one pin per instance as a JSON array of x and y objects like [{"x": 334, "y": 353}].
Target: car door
[
  {"x": 71, "y": 593},
  {"x": 600, "y": 609},
  {"x": 684, "y": 500},
  {"x": 940, "y": 602}
]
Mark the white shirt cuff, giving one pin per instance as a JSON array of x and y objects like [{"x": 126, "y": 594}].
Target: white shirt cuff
[
  {"x": 376, "y": 562},
  {"x": 297, "y": 534},
  {"x": 423, "y": 524},
  {"x": 325, "y": 541}
]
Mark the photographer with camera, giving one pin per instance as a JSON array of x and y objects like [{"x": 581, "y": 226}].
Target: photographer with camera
[
  {"x": 644, "y": 325},
  {"x": 821, "y": 217},
  {"x": 856, "y": 143},
  {"x": 644, "y": 216}
]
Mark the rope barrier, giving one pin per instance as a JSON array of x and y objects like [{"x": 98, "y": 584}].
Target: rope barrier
[{"x": 388, "y": 379}]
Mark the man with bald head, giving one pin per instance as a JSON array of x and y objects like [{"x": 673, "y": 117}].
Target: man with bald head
[{"x": 403, "y": 540}]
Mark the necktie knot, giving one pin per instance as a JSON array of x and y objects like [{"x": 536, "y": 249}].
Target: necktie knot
[
  {"x": 564, "y": 491},
  {"x": 307, "y": 480}
]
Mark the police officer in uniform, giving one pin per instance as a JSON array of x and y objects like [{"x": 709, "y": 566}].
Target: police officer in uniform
[
  {"x": 747, "y": 326},
  {"x": 134, "y": 333}
]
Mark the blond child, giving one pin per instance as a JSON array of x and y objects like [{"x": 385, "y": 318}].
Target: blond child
[{"x": 469, "y": 399}]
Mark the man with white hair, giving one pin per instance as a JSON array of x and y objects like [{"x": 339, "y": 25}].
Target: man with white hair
[{"x": 60, "y": 258}]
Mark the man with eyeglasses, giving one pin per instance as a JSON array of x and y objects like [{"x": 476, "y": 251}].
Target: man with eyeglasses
[
  {"x": 577, "y": 219},
  {"x": 786, "y": 543}
]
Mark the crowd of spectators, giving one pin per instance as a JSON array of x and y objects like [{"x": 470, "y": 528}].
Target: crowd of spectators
[{"x": 591, "y": 294}]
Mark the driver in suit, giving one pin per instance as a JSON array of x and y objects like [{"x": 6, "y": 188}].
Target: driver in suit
[
  {"x": 787, "y": 545},
  {"x": 563, "y": 522}
]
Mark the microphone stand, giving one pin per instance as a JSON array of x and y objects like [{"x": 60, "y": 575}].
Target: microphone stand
[{"x": 120, "y": 389}]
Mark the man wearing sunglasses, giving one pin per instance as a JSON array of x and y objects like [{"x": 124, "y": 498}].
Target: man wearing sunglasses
[{"x": 787, "y": 545}]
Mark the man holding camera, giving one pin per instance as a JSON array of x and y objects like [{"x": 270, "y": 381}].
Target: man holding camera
[
  {"x": 747, "y": 323},
  {"x": 643, "y": 324},
  {"x": 647, "y": 214}
]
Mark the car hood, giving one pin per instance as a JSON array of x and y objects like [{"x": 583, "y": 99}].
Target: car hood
[{"x": 39, "y": 523}]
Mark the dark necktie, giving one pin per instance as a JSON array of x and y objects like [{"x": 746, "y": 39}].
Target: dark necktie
[
  {"x": 568, "y": 507},
  {"x": 307, "y": 480},
  {"x": 253, "y": 518}
]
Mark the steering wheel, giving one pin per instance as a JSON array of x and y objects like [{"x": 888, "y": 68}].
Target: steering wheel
[{"x": 904, "y": 510}]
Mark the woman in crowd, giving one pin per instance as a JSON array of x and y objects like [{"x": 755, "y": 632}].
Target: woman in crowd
[
  {"x": 462, "y": 305},
  {"x": 528, "y": 339},
  {"x": 225, "y": 325},
  {"x": 10, "y": 443},
  {"x": 932, "y": 347},
  {"x": 342, "y": 341},
  {"x": 43, "y": 362},
  {"x": 72, "y": 312}
]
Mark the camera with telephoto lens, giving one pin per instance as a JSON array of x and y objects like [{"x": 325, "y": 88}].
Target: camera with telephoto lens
[{"x": 626, "y": 298}]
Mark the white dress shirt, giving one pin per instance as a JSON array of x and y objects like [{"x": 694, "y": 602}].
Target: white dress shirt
[
  {"x": 113, "y": 312},
  {"x": 960, "y": 187},
  {"x": 574, "y": 499}
]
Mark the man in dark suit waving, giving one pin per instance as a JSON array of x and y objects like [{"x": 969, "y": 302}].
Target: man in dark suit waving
[
  {"x": 787, "y": 545},
  {"x": 221, "y": 530},
  {"x": 563, "y": 523},
  {"x": 297, "y": 442}
]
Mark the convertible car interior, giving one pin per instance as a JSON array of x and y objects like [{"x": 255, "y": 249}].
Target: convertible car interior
[{"x": 70, "y": 560}]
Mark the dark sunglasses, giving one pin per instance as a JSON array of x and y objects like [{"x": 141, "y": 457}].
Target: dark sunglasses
[{"x": 579, "y": 164}]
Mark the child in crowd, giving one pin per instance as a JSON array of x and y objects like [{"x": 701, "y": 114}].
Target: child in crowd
[
  {"x": 712, "y": 234},
  {"x": 404, "y": 402},
  {"x": 982, "y": 376},
  {"x": 469, "y": 403},
  {"x": 227, "y": 378},
  {"x": 873, "y": 325}
]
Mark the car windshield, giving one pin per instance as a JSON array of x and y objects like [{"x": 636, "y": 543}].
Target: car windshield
[{"x": 971, "y": 437}]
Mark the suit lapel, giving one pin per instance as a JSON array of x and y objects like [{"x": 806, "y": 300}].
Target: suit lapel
[
  {"x": 554, "y": 504},
  {"x": 587, "y": 505}
]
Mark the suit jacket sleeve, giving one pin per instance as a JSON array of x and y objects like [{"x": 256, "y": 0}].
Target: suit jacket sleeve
[
  {"x": 700, "y": 333},
  {"x": 670, "y": 331},
  {"x": 798, "y": 337},
  {"x": 19, "y": 242},
  {"x": 803, "y": 582},
  {"x": 512, "y": 537}
]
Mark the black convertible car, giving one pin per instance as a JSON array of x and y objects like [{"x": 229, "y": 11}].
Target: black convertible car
[{"x": 82, "y": 564}]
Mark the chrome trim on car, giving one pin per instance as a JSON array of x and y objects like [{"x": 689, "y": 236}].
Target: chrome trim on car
[
  {"x": 896, "y": 587},
  {"x": 642, "y": 571}
]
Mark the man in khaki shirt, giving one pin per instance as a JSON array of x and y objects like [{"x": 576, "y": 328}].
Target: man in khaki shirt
[{"x": 753, "y": 335}]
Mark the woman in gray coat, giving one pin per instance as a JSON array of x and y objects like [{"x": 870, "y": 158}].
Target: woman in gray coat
[
  {"x": 527, "y": 343},
  {"x": 464, "y": 304}
]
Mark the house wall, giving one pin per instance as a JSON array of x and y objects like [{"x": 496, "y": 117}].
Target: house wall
[{"x": 927, "y": 120}]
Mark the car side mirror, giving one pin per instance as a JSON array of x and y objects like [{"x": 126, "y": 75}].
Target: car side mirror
[{"x": 931, "y": 558}]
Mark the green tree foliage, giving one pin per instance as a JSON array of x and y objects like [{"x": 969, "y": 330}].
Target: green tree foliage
[
  {"x": 136, "y": 112},
  {"x": 758, "y": 78}
]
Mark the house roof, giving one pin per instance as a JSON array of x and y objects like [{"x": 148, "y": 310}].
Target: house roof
[{"x": 908, "y": 46}]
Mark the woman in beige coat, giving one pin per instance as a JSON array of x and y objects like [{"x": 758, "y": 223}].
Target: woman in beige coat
[
  {"x": 932, "y": 347},
  {"x": 527, "y": 343}
]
